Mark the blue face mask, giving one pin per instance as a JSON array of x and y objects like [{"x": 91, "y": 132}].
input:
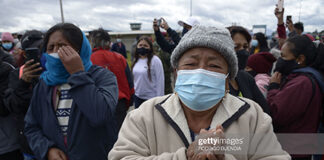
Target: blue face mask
[
  {"x": 254, "y": 43},
  {"x": 199, "y": 89},
  {"x": 7, "y": 46},
  {"x": 57, "y": 73}
]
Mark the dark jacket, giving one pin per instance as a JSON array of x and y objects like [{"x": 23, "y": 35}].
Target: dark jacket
[
  {"x": 8, "y": 130},
  {"x": 119, "y": 49},
  {"x": 17, "y": 99},
  {"x": 293, "y": 106},
  {"x": 164, "y": 44},
  {"x": 249, "y": 89},
  {"x": 18, "y": 94},
  {"x": 91, "y": 131},
  {"x": 6, "y": 57}
]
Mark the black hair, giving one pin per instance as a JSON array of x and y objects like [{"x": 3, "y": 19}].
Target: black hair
[
  {"x": 32, "y": 39},
  {"x": 302, "y": 45},
  {"x": 238, "y": 29},
  {"x": 149, "y": 56},
  {"x": 71, "y": 33},
  {"x": 299, "y": 26},
  {"x": 262, "y": 40},
  {"x": 319, "y": 60},
  {"x": 99, "y": 39}
]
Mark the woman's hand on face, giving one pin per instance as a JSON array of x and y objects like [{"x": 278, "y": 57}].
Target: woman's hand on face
[
  {"x": 195, "y": 150},
  {"x": 70, "y": 59},
  {"x": 276, "y": 78}
]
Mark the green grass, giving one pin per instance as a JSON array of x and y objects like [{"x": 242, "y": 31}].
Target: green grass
[{"x": 129, "y": 61}]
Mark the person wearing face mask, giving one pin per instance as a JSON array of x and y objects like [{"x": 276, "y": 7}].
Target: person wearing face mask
[
  {"x": 244, "y": 84},
  {"x": 20, "y": 87},
  {"x": 163, "y": 43},
  {"x": 259, "y": 66},
  {"x": 119, "y": 47},
  {"x": 148, "y": 72},
  {"x": 259, "y": 43},
  {"x": 296, "y": 88},
  {"x": 7, "y": 42},
  {"x": 177, "y": 126},
  {"x": 71, "y": 113}
]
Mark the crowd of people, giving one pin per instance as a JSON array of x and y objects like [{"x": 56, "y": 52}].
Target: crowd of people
[{"x": 68, "y": 96}]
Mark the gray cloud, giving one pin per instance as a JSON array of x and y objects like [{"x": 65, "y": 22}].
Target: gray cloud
[{"x": 116, "y": 15}]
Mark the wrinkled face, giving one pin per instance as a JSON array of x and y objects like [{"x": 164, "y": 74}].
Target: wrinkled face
[
  {"x": 203, "y": 58},
  {"x": 143, "y": 44},
  {"x": 55, "y": 41},
  {"x": 240, "y": 42}
]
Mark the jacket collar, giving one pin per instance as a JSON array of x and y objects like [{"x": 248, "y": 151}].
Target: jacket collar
[{"x": 226, "y": 109}]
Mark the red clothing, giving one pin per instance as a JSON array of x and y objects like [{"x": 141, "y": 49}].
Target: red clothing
[
  {"x": 290, "y": 106},
  {"x": 117, "y": 64},
  {"x": 281, "y": 29}
]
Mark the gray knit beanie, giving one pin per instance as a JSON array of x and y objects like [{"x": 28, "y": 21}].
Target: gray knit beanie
[{"x": 218, "y": 39}]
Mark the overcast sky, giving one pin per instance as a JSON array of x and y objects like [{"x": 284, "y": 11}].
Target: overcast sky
[{"x": 18, "y": 15}]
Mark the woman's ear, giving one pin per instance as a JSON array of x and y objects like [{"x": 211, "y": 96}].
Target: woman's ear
[
  {"x": 175, "y": 73},
  {"x": 227, "y": 83},
  {"x": 301, "y": 59}
]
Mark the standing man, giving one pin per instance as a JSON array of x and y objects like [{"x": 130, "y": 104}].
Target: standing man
[{"x": 119, "y": 47}]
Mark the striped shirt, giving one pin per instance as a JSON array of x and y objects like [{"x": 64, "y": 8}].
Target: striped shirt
[{"x": 64, "y": 107}]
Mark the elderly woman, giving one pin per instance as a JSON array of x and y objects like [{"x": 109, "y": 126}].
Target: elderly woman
[
  {"x": 186, "y": 124},
  {"x": 71, "y": 111}
]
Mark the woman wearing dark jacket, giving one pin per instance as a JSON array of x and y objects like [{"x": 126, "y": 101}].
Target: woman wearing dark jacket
[
  {"x": 71, "y": 111},
  {"x": 295, "y": 90},
  {"x": 9, "y": 143},
  {"x": 20, "y": 87},
  {"x": 244, "y": 84}
]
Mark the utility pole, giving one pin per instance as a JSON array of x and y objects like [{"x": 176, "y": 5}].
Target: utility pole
[
  {"x": 61, "y": 6},
  {"x": 300, "y": 7},
  {"x": 190, "y": 8}
]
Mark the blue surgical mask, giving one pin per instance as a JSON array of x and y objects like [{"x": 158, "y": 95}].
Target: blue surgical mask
[
  {"x": 254, "y": 43},
  {"x": 199, "y": 89},
  {"x": 7, "y": 46}
]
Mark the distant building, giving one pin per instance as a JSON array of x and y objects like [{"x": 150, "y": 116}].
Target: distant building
[{"x": 259, "y": 28}]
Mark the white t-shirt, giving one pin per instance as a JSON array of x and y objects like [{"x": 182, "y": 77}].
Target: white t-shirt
[{"x": 144, "y": 88}]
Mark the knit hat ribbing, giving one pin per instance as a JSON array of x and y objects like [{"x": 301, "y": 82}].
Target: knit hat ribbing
[{"x": 218, "y": 39}]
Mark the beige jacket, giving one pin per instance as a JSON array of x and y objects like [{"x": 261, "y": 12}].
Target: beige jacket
[{"x": 147, "y": 135}]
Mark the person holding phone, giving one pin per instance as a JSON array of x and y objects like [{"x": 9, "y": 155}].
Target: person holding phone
[
  {"x": 71, "y": 111},
  {"x": 164, "y": 44},
  {"x": 21, "y": 83},
  {"x": 281, "y": 29}
]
